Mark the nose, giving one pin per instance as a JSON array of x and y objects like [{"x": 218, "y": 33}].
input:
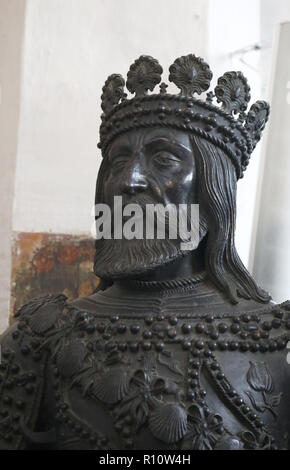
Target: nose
[{"x": 133, "y": 178}]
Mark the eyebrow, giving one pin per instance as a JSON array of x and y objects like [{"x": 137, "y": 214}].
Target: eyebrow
[
  {"x": 164, "y": 140},
  {"x": 116, "y": 149},
  {"x": 126, "y": 149}
]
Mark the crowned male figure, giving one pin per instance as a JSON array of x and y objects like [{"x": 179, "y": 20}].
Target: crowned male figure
[{"x": 179, "y": 348}]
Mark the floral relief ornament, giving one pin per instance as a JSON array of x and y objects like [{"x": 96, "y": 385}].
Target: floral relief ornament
[
  {"x": 260, "y": 380},
  {"x": 144, "y": 401},
  {"x": 204, "y": 429}
]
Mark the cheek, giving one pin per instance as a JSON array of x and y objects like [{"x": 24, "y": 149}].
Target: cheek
[
  {"x": 112, "y": 183},
  {"x": 181, "y": 187},
  {"x": 109, "y": 190},
  {"x": 189, "y": 178},
  {"x": 173, "y": 178}
]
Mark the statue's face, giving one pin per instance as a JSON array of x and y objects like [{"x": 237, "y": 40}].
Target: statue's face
[
  {"x": 157, "y": 163},
  {"x": 145, "y": 166}
]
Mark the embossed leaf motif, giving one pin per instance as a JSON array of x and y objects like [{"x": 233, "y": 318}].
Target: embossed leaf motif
[
  {"x": 57, "y": 301},
  {"x": 233, "y": 92},
  {"x": 259, "y": 377},
  {"x": 190, "y": 74},
  {"x": 258, "y": 405},
  {"x": 30, "y": 307},
  {"x": 275, "y": 400},
  {"x": 144, "y": 75},
  {"x": 113, "y": 92},
  {"x": 45, "y": 318},
  {"x": 88, "y": 376},
  {"x": 268, "y": 403}
]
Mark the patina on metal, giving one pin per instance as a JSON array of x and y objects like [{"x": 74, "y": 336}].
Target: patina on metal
[{"x": 176, "y": 350}]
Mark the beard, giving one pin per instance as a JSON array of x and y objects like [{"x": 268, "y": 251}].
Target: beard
[
  {"x": 123, "y": 258},
  {"x": 119, "y": 259}
]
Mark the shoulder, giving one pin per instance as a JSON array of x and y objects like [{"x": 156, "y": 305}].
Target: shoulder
[
  {"x": 24, "y": 350},
  {"x": 33, "y": 320},
  {"x": 41, "y": 326},
  {"x": 42, "y": 312}
]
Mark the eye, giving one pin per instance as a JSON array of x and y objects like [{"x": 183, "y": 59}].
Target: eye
[
  {"x": 119, "y": 163},
  {"x": 166, "y": 159}
]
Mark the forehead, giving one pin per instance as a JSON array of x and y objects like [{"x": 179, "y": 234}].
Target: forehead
[{"x": 142, "y": 137}]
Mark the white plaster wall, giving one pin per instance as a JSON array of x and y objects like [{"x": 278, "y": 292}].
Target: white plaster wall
[
  {"x": 272, "y": 253},
  {"x": 70, "y": 47},
  {"x": 272, "y": 13},
  {"x": 11, "y": 31},
  {"x": 235, "y": 25}
]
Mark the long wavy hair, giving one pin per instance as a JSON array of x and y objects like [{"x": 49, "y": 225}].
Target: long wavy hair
[
  {"x": 216, "y": 194},
  {"x": 217, "y": 188}
]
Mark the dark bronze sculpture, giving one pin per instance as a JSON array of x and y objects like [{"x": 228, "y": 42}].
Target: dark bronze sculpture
[{"x": 177, "y": 349}]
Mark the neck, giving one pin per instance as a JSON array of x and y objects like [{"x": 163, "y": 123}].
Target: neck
[{"x": 185, "y": 267}]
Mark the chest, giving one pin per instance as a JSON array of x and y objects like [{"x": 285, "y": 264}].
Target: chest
[{"x": 170, "y": 383}]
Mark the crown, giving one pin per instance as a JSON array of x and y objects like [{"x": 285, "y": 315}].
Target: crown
[{"x": 236, "y": 135}]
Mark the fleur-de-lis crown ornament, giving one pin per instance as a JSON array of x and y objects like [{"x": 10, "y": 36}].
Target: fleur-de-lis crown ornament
[{"x": 225, "y": 123}]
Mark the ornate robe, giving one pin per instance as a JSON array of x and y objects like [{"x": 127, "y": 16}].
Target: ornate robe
[{"x": 159, "y": 365}]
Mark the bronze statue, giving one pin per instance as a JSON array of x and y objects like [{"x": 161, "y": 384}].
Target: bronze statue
[{"x": 178, "y": 349}]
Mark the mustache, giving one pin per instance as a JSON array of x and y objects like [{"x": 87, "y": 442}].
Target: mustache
[{"x": 141, "y": 200}]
